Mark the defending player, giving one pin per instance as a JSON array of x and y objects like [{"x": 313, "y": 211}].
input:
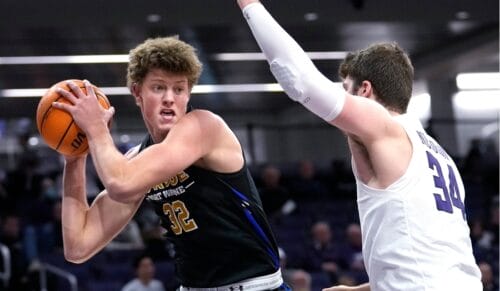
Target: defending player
[{"x": 410, "y": 194}]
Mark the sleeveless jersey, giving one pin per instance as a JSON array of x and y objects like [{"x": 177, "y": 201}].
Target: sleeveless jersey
[
  {"x": 217, "y": 226},
  {"x": 415, "y": 233}
]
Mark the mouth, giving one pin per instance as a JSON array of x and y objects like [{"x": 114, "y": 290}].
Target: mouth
[{"x": 167, "y": 113}]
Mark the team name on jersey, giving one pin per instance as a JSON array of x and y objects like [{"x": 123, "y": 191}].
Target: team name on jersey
[
  {"x": 172, "y": 187},
  {"x": 432, "y": 145}
]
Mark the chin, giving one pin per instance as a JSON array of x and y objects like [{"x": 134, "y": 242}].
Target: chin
[{"x": 159, "y": 133}]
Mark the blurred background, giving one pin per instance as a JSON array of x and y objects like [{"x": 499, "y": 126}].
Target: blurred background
[{"x": 454, "y": 46}]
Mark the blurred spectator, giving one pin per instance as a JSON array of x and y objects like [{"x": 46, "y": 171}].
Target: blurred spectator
[
  {"x": 146, "y": 218},
  {"x": 321, "y": 254},
  {"x": 4, "y": 198},
  {"x": 493, "y": 226},
  {"x": 300, "y": 281},
  {"x": 351, "y": 254},
  {"x": 145, "y": 273},
  {"x": 487, "y": 277},
  {"x": 50, "y": 190},
  {"x": 11, "y": 237},
  {"x": 24, "y": 183},
  {"x": 480, "y": 237},
  {"x": 152, "y": 233},
  {"x": 51, "y": 232},
  {"x": 307, "y": 186},
  {"x": 276, "y": 199},
  {"x": 481, "y": 167},
  {"x": 129, "y": 238},
  {"x": 157, "y": 245},
  {"x": 340, "y": 180},
  {"x": 297, "y": 279}
]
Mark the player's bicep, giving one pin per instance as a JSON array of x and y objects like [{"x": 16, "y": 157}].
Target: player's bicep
[
  {"x": 105, "y": 227},
  {"x": 98, "y": 228}
]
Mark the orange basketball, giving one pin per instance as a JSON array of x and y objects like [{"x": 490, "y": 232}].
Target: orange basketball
[{"x": 57, "y": 127}]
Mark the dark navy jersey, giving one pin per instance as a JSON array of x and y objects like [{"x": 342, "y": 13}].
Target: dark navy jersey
[{"x": 217, "y": 226}]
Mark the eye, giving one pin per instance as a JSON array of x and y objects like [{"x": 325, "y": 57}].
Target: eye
[
  {"x": 178, "y": 90},
  {"x": 157, "y": 88}
]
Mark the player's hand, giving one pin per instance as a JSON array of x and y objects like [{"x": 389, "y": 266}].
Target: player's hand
[
  {"x": 243, "y": 3},
  {"x": 85, "y": 108},
  {"x": 339, "y": 288},
  {"x": 362, "y": 287}
]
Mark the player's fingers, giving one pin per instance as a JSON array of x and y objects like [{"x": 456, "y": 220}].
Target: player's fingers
[
  {"x": 89, "y": 88},
  {"x": 61, "y": 105},
  {"x": 66, "y": 94},
  {"x": 109, "y": 113},
  {"x": 77, "y": 91}
]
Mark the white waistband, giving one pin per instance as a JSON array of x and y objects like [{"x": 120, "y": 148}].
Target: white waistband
[{"x": 266, "y": 282}]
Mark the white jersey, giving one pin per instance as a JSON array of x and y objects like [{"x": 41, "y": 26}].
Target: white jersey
[{"x": 415, "y": 233}]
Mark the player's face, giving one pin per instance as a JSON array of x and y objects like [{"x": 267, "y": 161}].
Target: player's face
[
  {"x": 349, "y": 86},
  {"x": 146, "y": 269},
  {"x": 163, "y": 98}
]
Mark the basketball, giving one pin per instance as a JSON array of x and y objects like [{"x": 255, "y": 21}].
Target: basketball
[{"x": 57, "y": 127}]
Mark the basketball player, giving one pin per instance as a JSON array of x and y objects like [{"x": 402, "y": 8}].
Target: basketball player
[
  {"x": 410, "y": 194},
  {"x": 190, "y": 166}
]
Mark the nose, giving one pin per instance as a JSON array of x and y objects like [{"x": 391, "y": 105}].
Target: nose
[{"x": 168, "y": 97}]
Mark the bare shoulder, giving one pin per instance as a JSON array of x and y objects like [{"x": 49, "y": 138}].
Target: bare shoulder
[
  {"x": 204, "y": 119},
  {"x": 222, "y": 150},
  {"x": 204, "y": 114}
]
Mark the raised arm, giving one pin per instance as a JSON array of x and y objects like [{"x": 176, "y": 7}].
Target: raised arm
[
  {"x": 304, "y": 83},
  {"x": 87, "y": 229},
  {"x": 291, "y": 66}
]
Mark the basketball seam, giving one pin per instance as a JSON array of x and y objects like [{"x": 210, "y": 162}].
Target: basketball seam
[
  {"x": 44, "y": 117},
  {"x": 61, "y": 142},
  {"x": 65, "y": 133}
]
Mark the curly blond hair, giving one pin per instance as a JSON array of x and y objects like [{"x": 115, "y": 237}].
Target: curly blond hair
[{"x": 166, "y": 53}]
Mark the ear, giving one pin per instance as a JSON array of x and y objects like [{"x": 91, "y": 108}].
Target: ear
[
  {"x": 366, "y": 89},
  {"x": 136, "y": 91}
]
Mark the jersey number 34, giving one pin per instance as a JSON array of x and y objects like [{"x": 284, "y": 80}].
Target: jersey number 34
[{"x": 450, "y": 196}]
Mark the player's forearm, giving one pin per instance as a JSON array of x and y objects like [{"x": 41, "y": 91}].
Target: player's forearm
[
  {"x": 273, "y": 40},
  {"x": 291, "y": 66},
  {"x": 111, "y": 165},
  {"x": 87, "y": 229},
  {"x": 243, "y": 3},
  {"x": 74, "y": 206}
]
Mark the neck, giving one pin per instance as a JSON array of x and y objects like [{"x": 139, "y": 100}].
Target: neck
[{"x": 145, "y": 281}]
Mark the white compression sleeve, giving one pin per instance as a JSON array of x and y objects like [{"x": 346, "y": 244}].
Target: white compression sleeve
[{"x": 291, "y": 66}]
